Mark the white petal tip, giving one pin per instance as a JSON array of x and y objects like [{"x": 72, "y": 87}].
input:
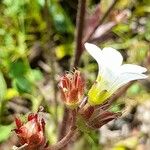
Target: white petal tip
[
  {"x": 132, "y": 68},
  {"x": 88, "y": 45},
  {"x": 139, "y": 77},
  {"x": 93, "y": 50},
  {"x": 144, "y": 69},
  {"x": 145, "y": 76},
  {"x": 140, "y": 69}
]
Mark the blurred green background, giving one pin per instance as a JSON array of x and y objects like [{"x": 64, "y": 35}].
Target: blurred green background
[{"x": 37, "y": 39}]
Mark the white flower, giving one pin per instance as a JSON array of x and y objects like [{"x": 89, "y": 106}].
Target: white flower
[{"x": 112, "y": 74}]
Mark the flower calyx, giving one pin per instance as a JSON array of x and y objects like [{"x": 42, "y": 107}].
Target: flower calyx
[
  {"x": 72, "y": 86},
  {"x": 31, "y": 133}
]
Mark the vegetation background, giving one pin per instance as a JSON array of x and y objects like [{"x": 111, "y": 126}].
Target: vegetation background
[{"x": 37, "y": 42}]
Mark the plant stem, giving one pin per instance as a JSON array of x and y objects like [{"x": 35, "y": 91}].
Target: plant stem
[
  {"x": 79, "y": 31},
  {"x": 62, "y": 143},
  {"x": 63, "y": 128},
  {"x": 77, "y": 54}
]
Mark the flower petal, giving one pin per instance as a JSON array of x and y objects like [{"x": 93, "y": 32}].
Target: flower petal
[
  {"x": 94, "y": 51},
  {"x": 132, "y": 68},
  {"x": 125, "y": 78},
  {"x": 111, "y": 58},
  {"x": 106, "y": 78}
]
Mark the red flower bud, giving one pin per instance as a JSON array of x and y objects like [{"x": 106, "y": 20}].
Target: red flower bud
[
  {"x": 72, "y": 87},
  {"x": 32, "y": 132},
  {"x": 96, "y": 117},
  {"x": 97, "y": 121}
]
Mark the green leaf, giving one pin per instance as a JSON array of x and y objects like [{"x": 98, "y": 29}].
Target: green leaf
[
  {"x": 115, "y": 108},
  {"x": 35, "y": 75},
  {"x": 134, "y": 89},
  {"x": 61, "y": 20},
  {"x": 93, "y": 139},
  {"x": 123, "y": 4},
  {"x": 5, "y": 132},
  {"x": 3, "y": 86},
  {"x": 142, "y": 9},
  {"x": 17, "y": 68},
  {"x": 22, "y": 85},
  {"x": 121, "y": 28}
]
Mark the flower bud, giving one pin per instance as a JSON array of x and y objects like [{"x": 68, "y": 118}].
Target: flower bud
[
  {"x": 96, "y": 117},
  {"x": 97, "y": 120},
  {"x": 71, "y": 86},
  {"x": 31, "y": 132}
]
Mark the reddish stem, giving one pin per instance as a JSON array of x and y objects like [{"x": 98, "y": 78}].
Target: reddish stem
[
  {"x": 79, "y": 32},
  {"x": 62, "y": 143}
]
